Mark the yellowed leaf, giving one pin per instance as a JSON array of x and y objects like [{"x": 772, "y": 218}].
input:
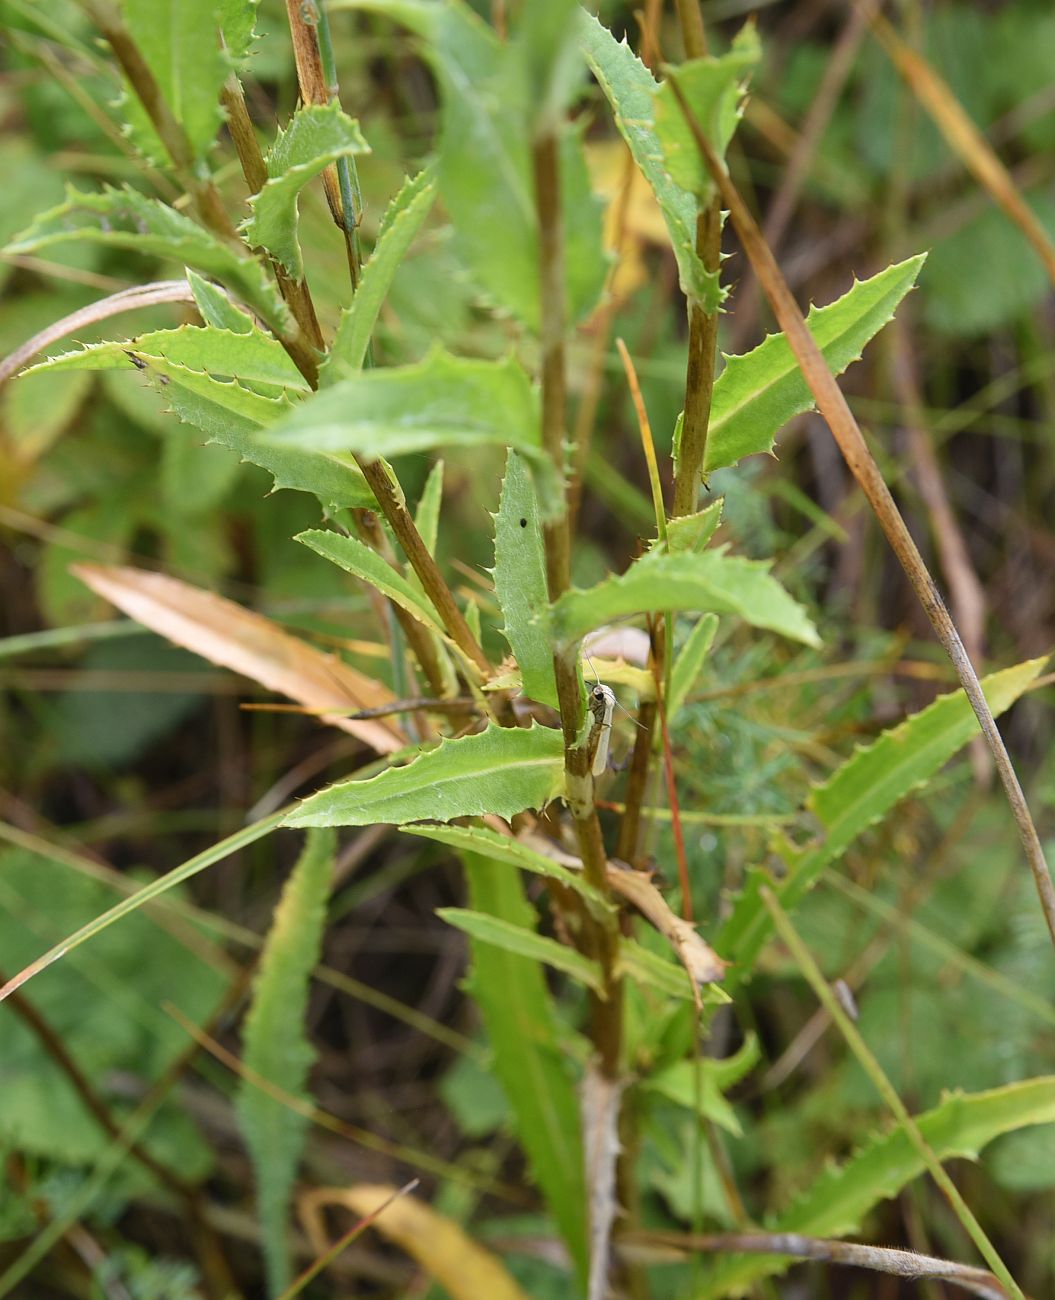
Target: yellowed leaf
[
  {"x": 632, "y": 217},
  {"x": 462, "y": 1267},
  {"x": 247, "y": 643}
]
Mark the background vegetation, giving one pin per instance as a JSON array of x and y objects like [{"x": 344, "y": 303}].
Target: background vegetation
[{"x": 167, "y": 1131}]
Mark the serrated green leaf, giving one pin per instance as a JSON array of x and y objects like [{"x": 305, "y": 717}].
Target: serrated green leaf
[
  {"x": 216, "y": 308},
  {"x": 698, "y": 1084},
  {"x": 758, "y": 393},
  {"x": 713, "y": 581},
  {"x": 355, "y": 557},
  {"x": 630, "y": 89},
  {"x": 126, "y": 219},
  {"x": 441, "y": 401},
  {"x": 713, "y": 88},
  {"x": 520, "y": 582},
  {"x": 178, "y": 40},
  {"x": 524, "y": 942},
  {"x": 317, "y": 136},
  {"x": 234, "y": 416},
  {"x": 840, "y": 1198},
  {"x": 238, "y": 27},
  {"x": 276, "y": 1049},
  {"x": 501, "y": 770},
  {"x": 876, "y": 776},
  {"x": 859, "y": 793},
  {"x": 689, "y": 663},
  {"x": 692, "y": 532},
  {"x": 250, "y": 358},
  {"x": 403, "y": 219},
  {"x": 485, "y": 170},
  {"x": 529, "y": 1062},
  {"x": 487, "y": 843}
]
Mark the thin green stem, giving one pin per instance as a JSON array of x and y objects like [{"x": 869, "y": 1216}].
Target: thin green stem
[
  {"x": 347, "y": 172},
  {"x": 703, "y": 325},
  {"x": 600, "y": 941}
]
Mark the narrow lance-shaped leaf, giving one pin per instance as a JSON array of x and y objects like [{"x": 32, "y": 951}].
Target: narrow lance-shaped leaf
[
  {"x": 525, "y": 942},
  {"x": 511, "y": 994},
  {"x": 502, "y": 770},
  {"x": 758, "y": 393},
  {"x": 178, "y": 40},
  {"x": 252, "y": 357},
  {"x": 509, "y": 852},
  {"x": 126, "y": 219},
  {"x": 712, "y": 581},
  {"x": 276, "y": 1049},
  {"x": 520, "y": 582},
  {"x": 439, "y": 402},
  {"x": 427, "y": 515},
  {"x": 689, "y": 662},
  {"x": 215, "y": 306},
  {"x": 842, "y": 1196},
  {"x": 713, "y": 88},
  {"x": 356, "y": 558},
  {"x": 630, "y": 89},
  {"x": 403, "y": 219},
  {"x": 858, "y": 794},
  {"x": 317, "y": 136}
]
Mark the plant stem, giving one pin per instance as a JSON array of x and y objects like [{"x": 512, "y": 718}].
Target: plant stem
[
  {"x": 847, "y": 433},
  {"x": 600, "y": 941},
  {"x": 347, "y": 172},
  {"x": 246, "y": 145},
  {"x": 317, "y": 77},
  {"x": 703, "y": 325}
]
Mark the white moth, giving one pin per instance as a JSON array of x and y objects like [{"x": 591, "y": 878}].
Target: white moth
[{"x": 602, "y": 706}]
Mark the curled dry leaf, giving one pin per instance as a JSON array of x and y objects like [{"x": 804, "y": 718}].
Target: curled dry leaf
[
  {"x": 691, "y": 949},
  {"x": 247, "y": 643},
  {"x": 463, "y": 1268}
]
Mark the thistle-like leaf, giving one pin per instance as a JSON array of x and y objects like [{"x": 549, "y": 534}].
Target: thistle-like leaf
[
  {"x": 520, "y": 582},
  {"x": 317, "y": 136},
  {"x": 502, "y": 770},
  {"x": 123, "y": 218},
  {"x": 860, "y": 792},
  {"x": 630, "y": 89},
  {"x": 403, "y": 219},
  {"x": 842, "y": 1195},
  {"x": 758, "y": 393},
  {"x": 713, "y": 582}
]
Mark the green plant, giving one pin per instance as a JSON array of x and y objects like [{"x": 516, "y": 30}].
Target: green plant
[{"x": 459, "y": 729}]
